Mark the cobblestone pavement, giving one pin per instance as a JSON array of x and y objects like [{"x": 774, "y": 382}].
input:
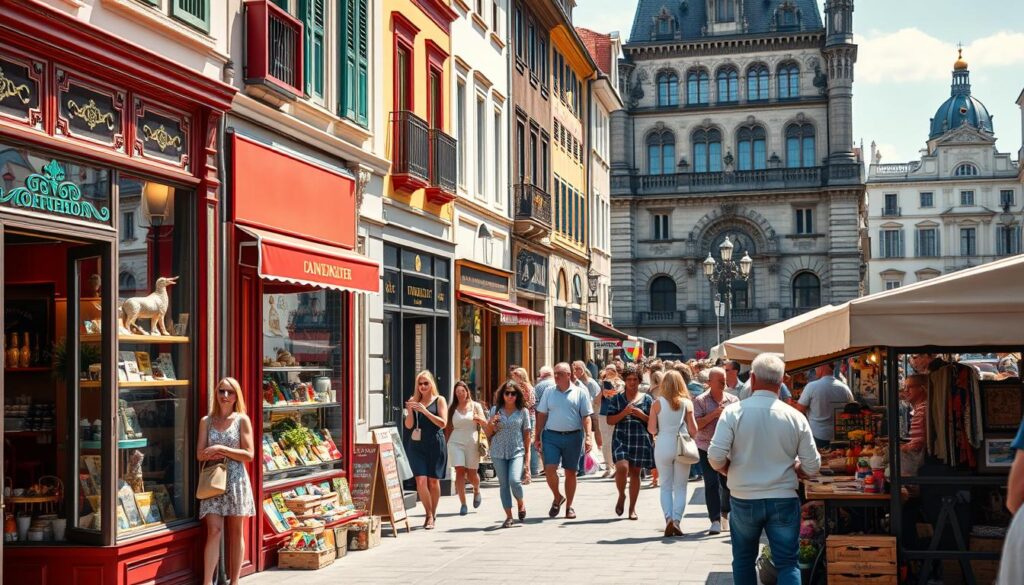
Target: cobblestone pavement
[{"x": 597, "y": 547}]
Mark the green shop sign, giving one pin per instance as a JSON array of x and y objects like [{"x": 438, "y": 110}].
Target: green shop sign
[{"x": 51, "y": 193}]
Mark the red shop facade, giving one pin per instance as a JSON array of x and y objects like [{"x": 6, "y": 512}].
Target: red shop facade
[
  {"x": 109, "y": 207},
  {"x": 294, "y": 272}
]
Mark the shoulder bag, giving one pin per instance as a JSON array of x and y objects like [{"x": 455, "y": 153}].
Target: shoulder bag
[
  {"x": 686, "y": 447},
  {"x": 213, "y": 480},
  {"x": 481, "y": 442}
]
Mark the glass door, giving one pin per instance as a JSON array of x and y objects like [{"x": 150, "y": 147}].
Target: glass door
[
  {"x": 89, "y": 348},
  {"x": 514, "y": 350}
]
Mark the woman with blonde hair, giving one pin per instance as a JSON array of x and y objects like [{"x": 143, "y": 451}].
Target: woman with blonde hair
[
  {"x": 668, "y": 414},
  {"x": 426, "y": 416},
  {"x": 522, "y": 378},
  {"x": 225, "y": 434},
  {"x": 655, "y": 391}
]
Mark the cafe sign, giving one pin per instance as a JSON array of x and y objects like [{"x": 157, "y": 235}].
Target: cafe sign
[
  {"x": 573, "y": 319},
  {"x": 49, "y": 192},
  {"x": 472, "y": 279}
]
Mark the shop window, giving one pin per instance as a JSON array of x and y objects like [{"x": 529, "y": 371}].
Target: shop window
[{"x": 154, "y": 483}]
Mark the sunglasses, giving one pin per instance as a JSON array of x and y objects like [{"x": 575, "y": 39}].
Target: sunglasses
[
  {"x": 511, "y": 393},
  {"x": 225, "y": 391},
  {"x": 423, "y": 383}
]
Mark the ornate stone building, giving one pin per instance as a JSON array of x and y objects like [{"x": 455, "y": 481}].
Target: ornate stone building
[{"x": 738, "y": 123}]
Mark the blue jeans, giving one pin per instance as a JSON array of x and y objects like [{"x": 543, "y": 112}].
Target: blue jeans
[
  {"x": 780, "y": 520},
  {"x": 716, "y": 489},
  {"x": 510, "y": 479}
]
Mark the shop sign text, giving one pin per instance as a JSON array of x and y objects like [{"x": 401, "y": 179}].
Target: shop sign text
[{"x": 49, "y": 192}]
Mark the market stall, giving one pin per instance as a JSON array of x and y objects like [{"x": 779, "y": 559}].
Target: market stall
[
  {"x": 744, "y": 348},
  {"x": 951, "y": 523}
]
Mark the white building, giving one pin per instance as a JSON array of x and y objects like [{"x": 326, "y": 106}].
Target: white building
[{"x": 958, "y": 206}]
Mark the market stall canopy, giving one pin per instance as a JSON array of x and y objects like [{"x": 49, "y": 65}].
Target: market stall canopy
[
  {"x": 744, "y": 348},
  {"x": 509, "y": 313},
  {"x": 581, "y": 334},
  {"x": 981, "y": 306},
  {"x": 599, "y": 328},
  {"x": 299, "y": 261}
]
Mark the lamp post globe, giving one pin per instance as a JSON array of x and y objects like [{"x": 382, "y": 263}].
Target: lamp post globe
[
  {"x": 709, "y": 266},
  {"x": 745, "y": 264},
  {"x": 726, "y": 250}
]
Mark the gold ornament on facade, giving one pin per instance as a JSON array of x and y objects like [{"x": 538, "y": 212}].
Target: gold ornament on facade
[
  {"x": 8, "y": 89},
  {"x": 418, "y": 263},
  {"x": 161, "y": 137},
  {"x": 91, "y": 114}
]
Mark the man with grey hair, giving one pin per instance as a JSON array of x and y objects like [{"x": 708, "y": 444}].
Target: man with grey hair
[
  {"x": 764, "y": 446},
  {"x": 707, "y": 408},
  {"x": 563, "y": 430},
  {"x": 819, "y": 401},
  {"x": 545, "y": 381}
]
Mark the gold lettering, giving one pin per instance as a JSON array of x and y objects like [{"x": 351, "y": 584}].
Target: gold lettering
[
  {"x": 328, "y": 270},
  {"x": 419, "y": 292}
]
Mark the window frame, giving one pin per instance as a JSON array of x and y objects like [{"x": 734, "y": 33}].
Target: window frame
[
  {"x": 968, "y": 241},
  {"x": 967, "y": 198},
  {"x": 931, "y": 199},
  {"x": 804, "y": 221},
  {"x": 663, "y": 300}
]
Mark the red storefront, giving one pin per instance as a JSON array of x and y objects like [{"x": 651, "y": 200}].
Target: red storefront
[
  {"x": 108, "y": 227},
  {"x": 296, "y": 273}
]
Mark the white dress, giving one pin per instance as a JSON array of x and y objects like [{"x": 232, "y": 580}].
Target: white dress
[
  {"x": 672, "y": 475},
  {"x": 462, "y": 444}
]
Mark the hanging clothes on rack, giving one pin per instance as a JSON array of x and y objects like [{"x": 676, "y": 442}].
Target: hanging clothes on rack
[{"x": 954, "y": 415}]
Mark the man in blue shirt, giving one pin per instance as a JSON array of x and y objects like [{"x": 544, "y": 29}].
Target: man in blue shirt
[{"x": 563, "y": 429}]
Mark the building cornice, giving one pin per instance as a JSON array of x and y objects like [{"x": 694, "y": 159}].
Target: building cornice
[
  {"x": 723, "y": 45},
  {"x": 661, "y": 111}
]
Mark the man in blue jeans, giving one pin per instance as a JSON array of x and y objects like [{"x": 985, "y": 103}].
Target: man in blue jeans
[{"x": 764, "y": 445}]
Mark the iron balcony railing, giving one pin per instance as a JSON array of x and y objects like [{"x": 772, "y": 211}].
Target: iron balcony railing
[
  {"x": 682, "y": 183},
  {"x": 661, "y": 317},
  {"x": 411, "y": 145},
  {"x": 444, "y": 166},
  {"x": 274, "y": 50},
  {"x": 892, "y": 211},
  {"x": 532, "y": 204}
]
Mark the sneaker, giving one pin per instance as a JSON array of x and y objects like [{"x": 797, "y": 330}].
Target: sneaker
[{"x": 716, "y": 528}]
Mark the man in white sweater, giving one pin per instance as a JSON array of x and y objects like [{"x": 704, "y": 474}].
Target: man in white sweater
[{"x": 763, "y": 445}]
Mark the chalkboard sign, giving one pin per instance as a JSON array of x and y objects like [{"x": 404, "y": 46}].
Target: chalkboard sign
[
  {"x": 392, "y": 484},
  {"x": 365, "y": 460},
  {"x": 384, "y": 434}
]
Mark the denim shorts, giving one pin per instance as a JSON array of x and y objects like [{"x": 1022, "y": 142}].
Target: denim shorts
[{"x": 562, "y": 448}]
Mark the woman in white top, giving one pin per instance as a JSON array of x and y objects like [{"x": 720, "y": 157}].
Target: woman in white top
[
  {"x": 465, "y": 416},
  {"x": 667, "y": 416}
]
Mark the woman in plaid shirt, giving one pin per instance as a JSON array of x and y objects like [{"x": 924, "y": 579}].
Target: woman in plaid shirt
[{"x": 632, "y": 449}]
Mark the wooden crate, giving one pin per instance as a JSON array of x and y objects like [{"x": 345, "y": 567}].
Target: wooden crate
[
  {"x": 861, "y": 579},
  {"x": 305, "y": 560},
  {"x": 302, "y": 504},
  {"x": 861, "y": 555}
]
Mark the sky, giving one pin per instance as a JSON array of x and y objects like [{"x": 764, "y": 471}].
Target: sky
[{"x": 906, "y": 50}]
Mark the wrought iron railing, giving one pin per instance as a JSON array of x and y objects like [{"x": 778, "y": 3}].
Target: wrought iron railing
[
  {"x": 274, "y": 51},
  {"x": 444, "y": 166},
  {"x": 661, "y": 317},
  {"x": 532, "y": 203},
  {"x": 410, "y": 145},
  {"x": 719, "y": 181}
]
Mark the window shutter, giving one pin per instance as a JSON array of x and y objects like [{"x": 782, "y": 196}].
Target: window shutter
[
  {"x": 192, "y": 12},
  {"x": 313, "y": 29},
  {"x": 354, "y": 77}
]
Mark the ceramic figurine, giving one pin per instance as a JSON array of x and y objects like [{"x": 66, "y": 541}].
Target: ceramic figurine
[{"x": 152, "y": 307}]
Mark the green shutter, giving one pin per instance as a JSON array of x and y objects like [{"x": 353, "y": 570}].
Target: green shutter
[
  {"x": 313, "y": 15},
  {"x": 354, "y": 78},
  {"x": 192, "y": 12}
]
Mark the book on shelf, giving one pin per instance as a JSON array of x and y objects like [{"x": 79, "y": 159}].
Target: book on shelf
[
  {"x": 145, "y": 365},
  {"x": 163, "y": 501},
  {"x": 307, "y": 456},
  {"x": 147, "y": 509},
  {"x": 340, "y": 485},
  {"x": 92, "y": 464},
  {"x": 126, "y": 497},
  {"x": 274, "y": 516},
  {"x": 122, "y": 519},
  {"x": 163, "y": 367},
  {"x": 331, "y": 445},
  {"x": 292, "y": 455},
  {"x": 131, "y": 366},
  {"x": 87, "y": 484}
]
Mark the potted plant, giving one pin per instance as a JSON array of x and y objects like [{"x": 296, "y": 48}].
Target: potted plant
[{"x": 806, "y": 554}]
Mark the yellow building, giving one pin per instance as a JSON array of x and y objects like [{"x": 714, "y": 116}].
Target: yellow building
[{"x": 571, "y": 68}]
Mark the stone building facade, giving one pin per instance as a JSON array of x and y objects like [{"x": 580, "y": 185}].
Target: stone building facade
[{"x": 737, "y": 124}]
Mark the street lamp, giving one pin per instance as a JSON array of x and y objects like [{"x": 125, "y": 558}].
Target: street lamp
[
  {"x": 1007, "y": 219},
  {"x": 726, "y": 273}
]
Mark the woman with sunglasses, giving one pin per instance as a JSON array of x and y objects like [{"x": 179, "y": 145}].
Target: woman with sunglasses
[
  {"x": 426, "y": 416},
  {"x": 509, "y": 431},
  {"x": 225, "y": 434},
  {"x": 465, "y": 416}
]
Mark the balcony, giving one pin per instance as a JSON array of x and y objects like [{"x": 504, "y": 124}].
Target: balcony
[
  {"x": 273, "y": 49},
  {"x": 532, "y": 211},
  {"x": 661, "y": 318},
  {"x": 410, "y": 156},
  {"x": 444, "y": 167},
  {"x": 723, "y": 181},
  {"x": 892, "y": 211},
  {"x": 738, "y": 316}
]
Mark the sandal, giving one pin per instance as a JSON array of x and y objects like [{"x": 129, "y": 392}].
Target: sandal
[
  {"x": 620, "y": 506},
  {"x": 555, "y": 507},
  {"x": 570, "y": 513},
  {"x": 632, "y": 515},
  {"x": 522, "y": 513},
  {"x": 507, "y": 524},
  {"x": 429, "y": 524}
]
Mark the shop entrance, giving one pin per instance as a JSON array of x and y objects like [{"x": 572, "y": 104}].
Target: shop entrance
[{"x": 514, "y": 348}]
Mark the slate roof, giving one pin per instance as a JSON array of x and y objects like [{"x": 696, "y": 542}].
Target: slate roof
[{"x": 692, "y": 16}]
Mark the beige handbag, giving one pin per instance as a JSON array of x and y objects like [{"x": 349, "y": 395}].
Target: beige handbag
[
  {"x": 686, "y": 447},
  {"x": 213, "y": 480}
]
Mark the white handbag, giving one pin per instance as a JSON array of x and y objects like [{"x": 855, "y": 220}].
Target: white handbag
[{"x": 686, "y": 447}]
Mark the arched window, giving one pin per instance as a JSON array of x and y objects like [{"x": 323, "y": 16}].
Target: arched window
[
  {"x": 668, "y": 89},
  {"x": 667, "y": 348},
  {"x": 126, "y": 282},
  {"x": 697, "y": 82},
  {"x": 966, "y": 170},
  {"x": 751, "y": 149},
  {"x": 707, "y": 151},
  {"x": 757, "y": 83},
  {"x": 789, "y": 81},
  {"x": 661, "y": 153},
  {"x": 728, "y": 85},
  {"x": 663, "y": 294},
  {"x": 800, "y": 146},
  {"x": 806, "y": 291},
  {"x": 577, "y": 289},
  {"x": 562, "y": 287}
]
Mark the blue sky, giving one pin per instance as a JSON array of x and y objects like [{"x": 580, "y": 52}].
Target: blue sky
[{"x": 905, "y": 59}]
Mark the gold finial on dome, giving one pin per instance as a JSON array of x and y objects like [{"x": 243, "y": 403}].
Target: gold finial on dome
[{"x": 960, "y": 64}]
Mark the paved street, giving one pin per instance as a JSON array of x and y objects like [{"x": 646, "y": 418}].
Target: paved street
[{"x": 597, "y": 547}]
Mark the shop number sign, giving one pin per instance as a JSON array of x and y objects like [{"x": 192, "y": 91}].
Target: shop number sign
[{"x": 49, "y": 192}]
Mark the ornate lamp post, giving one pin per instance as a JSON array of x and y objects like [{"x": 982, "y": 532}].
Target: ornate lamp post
[{"x": 727, "y": 272}]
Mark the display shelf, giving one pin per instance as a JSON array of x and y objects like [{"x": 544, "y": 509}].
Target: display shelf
[
  {"x": 122, "y": 444},
  {"x": 287, "y": 482},
  {"x": 274, "y": 369},
  {"x": 30, "y": 369},
  {"x": 357, "y": 514},
  {"x": 134, "y": 338},
  {"x": 144, "y": 384},
  {"x": 303, "y": 406},
  {"x": 298, "y": 469}
]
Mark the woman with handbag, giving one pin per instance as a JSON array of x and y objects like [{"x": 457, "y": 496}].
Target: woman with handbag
[
  {"x": 509, "y": 430},
  {"x": 674, "y": 450},
  {"x": 426, "y": 416},
  {"x": 631, "y": 443},
  {"x": 225, "y": 445},
  {"x": 465, "y": 416}
]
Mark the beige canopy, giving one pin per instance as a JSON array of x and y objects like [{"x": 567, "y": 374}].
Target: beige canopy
[
  {"x": 744, "y": 348},
  {"x": 981, "y": 306}
]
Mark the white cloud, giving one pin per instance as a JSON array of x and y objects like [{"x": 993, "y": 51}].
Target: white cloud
[{"x": 912, "y": 55}]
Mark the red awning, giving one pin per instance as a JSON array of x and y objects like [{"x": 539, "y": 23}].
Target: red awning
[
  {"x": 510, "y": 313},
  {"x": 299, "y": 261}
]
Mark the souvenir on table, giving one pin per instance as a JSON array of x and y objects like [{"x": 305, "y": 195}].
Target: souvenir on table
[
  {"x": 129, "y": 421},
  {"x": 131, "y": 366},
  {"x": 332, "y": 447},
  {"x": 292, "y": 455},
  {"x": 163, "y": 501},
  {"x": 181, "y": 327},
  {"x": 92, "y": 463},
  {"x": 268, "y": 458},
  {"x": 86, "y": 482},
  {"x": 133, "y": 474}
]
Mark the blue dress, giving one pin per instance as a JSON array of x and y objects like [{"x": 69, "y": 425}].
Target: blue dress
[
  {"x": 428, "y": 456},
  {"x": 631, "y": 441}
]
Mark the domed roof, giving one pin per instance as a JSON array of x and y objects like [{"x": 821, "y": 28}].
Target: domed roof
[
  {"x": 961, "y": 107},
  {"x": 960, "y": 64}
]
